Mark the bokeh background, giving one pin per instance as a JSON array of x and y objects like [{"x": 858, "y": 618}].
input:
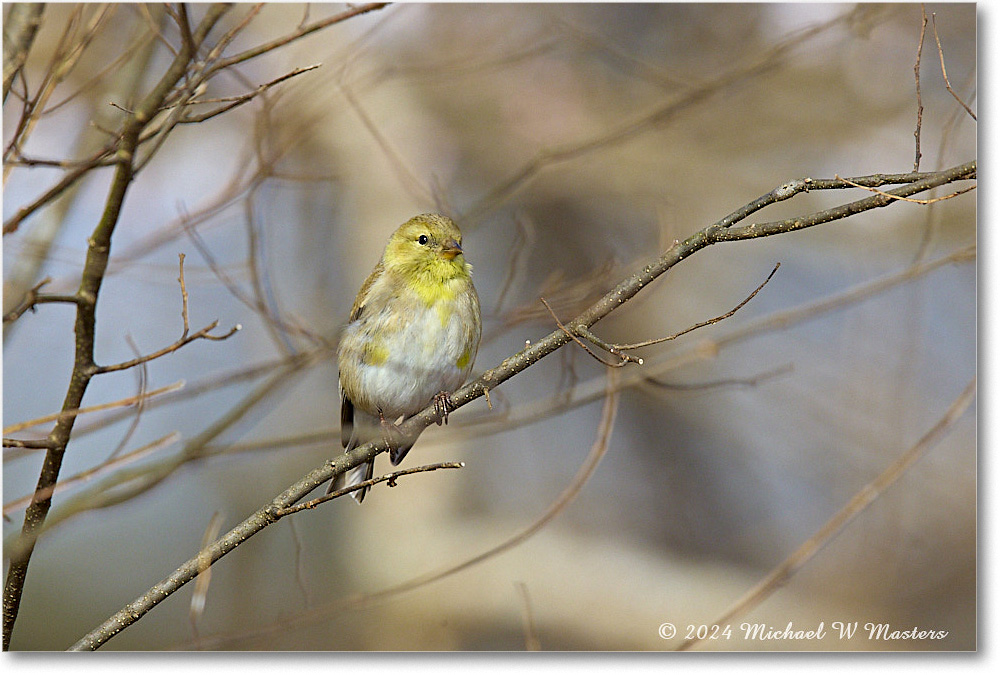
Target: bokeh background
[{"x": 572, "y": 143}]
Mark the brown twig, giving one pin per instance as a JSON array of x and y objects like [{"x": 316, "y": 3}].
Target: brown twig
[
  {"x": 67, "y": 414},
  {"x": 20, "y": 28},
  {"x": 916, "y": 75},
  {"x": 944, "y": 72},
  {"x": 127, "y": 483},
  {"x": 236, "y": 101},
  {"x": 752, "y": 381},
  {"x": 186, "y": 336},
  {"x": 624, "y": 358},
  {"x": 295, "y": 35},
  {"x": 864, "y": 498},
  {"x": 617, "y": 349},
  {"x": 631, "y": 128},
  {"x": 908, "y": 199},
  {"x": 110, "y": 463},
  {"x": 531, "y": 641},
  {"x": 389, "y": 478},
  {"x": 27, "y": 444},
  {"x": 31, "y": 299},
  {"x": 204, "y": 578},
  {"x": 142, "y": 377}
]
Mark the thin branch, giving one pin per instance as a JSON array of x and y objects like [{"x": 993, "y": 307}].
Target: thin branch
[
  {"x": 531, "y": 641},
  {"x": 127, "y": 483},
  {"x": 142, "y": 377},
  {"x": 236, "y": 101},
  {"x": 624, "y": 358},
  {"x": 864, "y": 498},
  {"x": 724, "y": 232},
  {"x": 751, "y": 382},
  {"x": 154, "y": 26},
  {"x": 925, "y": 202},
  {"x": 295, "y": 35},
  {"x": 204, "y": 578},
  {"x": 215, "y": 382},
  {"x": 186, "y": 337},
  {"x": 627, "y": 130},
  {"x": 103, "y": 467},
  {"x": 20, "y": 28},
  {"x": 231, "y": 34},
  {"x": 916, "y": 75},
  {"x": 592, "y": 390},
  {"x": 14, "y": 222},
  {"x": 944, "y": 72},
  {"x": 33, "y": 298},
  {"x": 30, "y": 444},
  {"x": 67, "y": 414},
  {"x": 389, "y": 478},
  {"x": 618, "y": 348},
  {"x": 260, "y": 308}
]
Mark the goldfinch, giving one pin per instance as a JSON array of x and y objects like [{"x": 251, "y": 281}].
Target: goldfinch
[{"x": 411, "y": 339}]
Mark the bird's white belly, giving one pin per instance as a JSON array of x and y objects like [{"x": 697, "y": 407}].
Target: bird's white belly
[{"x": 422, "y": 357}]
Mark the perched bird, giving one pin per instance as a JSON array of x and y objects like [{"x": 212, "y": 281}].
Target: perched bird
[{"x": 412, "y": 338}]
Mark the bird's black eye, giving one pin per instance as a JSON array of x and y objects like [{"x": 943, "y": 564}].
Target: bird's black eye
[{"x": 422, "y": 239}]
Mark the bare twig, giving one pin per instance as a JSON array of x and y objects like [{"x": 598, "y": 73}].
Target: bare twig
[
  {"x": 67, "y": 414},
  {"x": 295, "y": 35},
  {"x": 142, "y": 377},
  {"x": 624, "y": 358},
  {"x": 908, "y": 199},
  {"x": 28, "y": 444},
  {"x": 629, "y": 129},
  {"x": 916, "y": 75},
  {"x": 20, "y": 28},
  {"x": 186, "y": 337},
  {"x": 944, "y": 72},
  {"x": 32, "y": 298},
  {"x": 719, "y": 384},
  {"x": 389, "y": 478},
  {"x": 128, "y": 483},
  {"x": 236, "y": 101},
  {"x": 864, "y": 498},
  {"x": 204, "y": 577},
  {"x": 71, "y": 177},
  {"x": 110, "y": 463},
  {"x": 531, "y": 641},
  {"x": 617, "y": 349},
  {"x": 65, "y": 58}
]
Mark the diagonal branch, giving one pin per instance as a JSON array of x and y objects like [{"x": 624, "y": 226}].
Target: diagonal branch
[
  {"x": 858, "y": 503},
  {"x": 20, "y": 29}
]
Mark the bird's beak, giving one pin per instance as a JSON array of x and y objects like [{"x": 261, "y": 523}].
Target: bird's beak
[{"x": 450, "y": 249}]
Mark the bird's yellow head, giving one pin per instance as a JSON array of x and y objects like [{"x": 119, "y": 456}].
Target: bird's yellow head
[{"x": 427, "y": 249}]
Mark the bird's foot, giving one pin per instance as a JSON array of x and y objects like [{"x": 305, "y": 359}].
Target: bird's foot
[
  {"x": 443, "y": 407},
  {"x": 391, "y": 435}
]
